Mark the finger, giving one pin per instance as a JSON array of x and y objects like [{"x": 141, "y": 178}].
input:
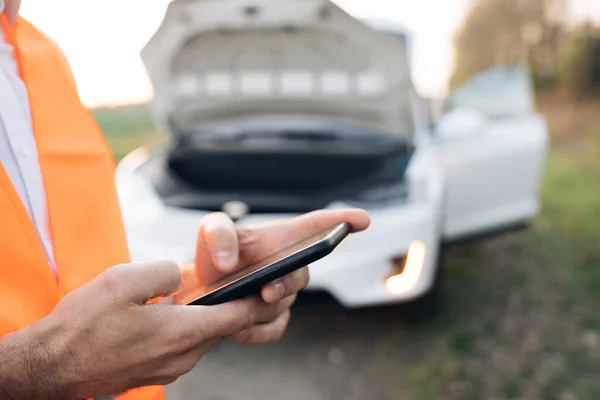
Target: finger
[
  {"x": 226, "y": 319},
  {"x": 262, "y": 241},
  {"x": 286, "y": 286},
  {"x": 318, "y": 221},
  {"x": 264, "y": 333},
  {"x": 220, "y": 235},
  {"x": 237, "y": 316},
  {"x": 141, "y": 282}
]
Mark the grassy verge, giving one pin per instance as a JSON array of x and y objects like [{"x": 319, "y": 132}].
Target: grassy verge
[
  {"x": 126, "y": 128},
  {"x": 521, "y": 316}
]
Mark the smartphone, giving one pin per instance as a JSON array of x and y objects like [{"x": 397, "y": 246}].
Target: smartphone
[{"x": 247, "y": 281}]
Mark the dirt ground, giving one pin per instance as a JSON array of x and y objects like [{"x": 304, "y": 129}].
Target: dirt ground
[{"x": 328, "y": 353}]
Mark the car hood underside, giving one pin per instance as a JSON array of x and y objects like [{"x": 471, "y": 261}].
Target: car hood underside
[{"x": 276, "y": 167}]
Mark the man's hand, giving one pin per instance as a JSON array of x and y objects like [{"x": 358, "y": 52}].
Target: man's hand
[
  {"x": 104, "y": 338},
  {"x": 222, "y": 247}
]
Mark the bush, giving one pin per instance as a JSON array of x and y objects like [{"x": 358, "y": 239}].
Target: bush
[{"x": 580, "y": 72}]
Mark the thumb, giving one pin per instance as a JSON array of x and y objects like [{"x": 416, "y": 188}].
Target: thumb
[{"x": 141, "y": 282}]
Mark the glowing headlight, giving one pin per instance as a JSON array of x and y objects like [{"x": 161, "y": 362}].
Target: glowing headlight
[{"x": 405, "y": 280}]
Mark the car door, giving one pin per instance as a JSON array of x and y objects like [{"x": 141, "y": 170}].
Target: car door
[{"x": 492, "y": 147}]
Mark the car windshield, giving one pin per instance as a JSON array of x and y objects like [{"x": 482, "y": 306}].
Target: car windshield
[{"x": 511, "y": 86}]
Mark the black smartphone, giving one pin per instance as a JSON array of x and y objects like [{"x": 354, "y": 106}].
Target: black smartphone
[{"x": 247, "y": 281}]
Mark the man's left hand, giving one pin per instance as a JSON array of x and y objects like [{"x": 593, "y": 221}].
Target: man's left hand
[{"x": 222, "y": 247}]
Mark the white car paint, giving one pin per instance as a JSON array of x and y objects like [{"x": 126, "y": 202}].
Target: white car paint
[{"x": 475, "y": 172}]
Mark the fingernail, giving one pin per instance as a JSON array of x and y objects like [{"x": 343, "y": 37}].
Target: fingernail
[
  {"x": 279, "y": 290},
  {"x": 226, "y": 260}
]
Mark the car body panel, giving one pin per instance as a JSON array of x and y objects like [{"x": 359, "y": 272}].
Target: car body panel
[
  {"x": 477, "y": 170},
  {"x": 493, "y": 171}
]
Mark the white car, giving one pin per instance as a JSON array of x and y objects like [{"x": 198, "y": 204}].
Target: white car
[{"x": 278, "y": 107}]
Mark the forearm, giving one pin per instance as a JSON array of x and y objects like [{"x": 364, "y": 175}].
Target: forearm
[{"x": 28, "y": 368}]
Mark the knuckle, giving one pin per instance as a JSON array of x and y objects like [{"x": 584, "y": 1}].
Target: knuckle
[
  {"x": 274, "y": 311},
  {"x": 291, "y": 283},
  {"x": 110, "y": 279},
  {"x": 252, "y": 313},
  {"x": 245, "y": 336},
  {"x": 165, "y": 273},
  {"x": 247, "y": 236},
  {"x": 248, "y": 242},
  {"x": 185, "y": 341},
  {"x": 182, "y": 342},
  {"x": 176, "y": 338},
  {"x": 173, "y": 271},
  {"x": 288, "y": 282},
  {"x": 249, "y": 319}
]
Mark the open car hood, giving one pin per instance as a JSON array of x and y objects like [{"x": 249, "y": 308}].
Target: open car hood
[{"x": 213, "y": 61}]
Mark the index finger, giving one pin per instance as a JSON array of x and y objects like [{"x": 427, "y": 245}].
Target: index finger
[
  {"x": 257, "y": 243},
  {"x": 317, "y": 221}
]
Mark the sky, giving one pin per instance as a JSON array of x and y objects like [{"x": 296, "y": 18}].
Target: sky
[{"x": 102, "y": 39}]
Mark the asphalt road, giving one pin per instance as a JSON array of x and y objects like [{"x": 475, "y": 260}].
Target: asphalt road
[{"x": 327, "y": 353}]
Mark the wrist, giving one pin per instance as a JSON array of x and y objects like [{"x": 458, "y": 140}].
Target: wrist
[{"x": 29, "y": 361}]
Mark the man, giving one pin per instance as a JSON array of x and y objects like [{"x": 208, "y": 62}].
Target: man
[{"x": 76, "y": 320}]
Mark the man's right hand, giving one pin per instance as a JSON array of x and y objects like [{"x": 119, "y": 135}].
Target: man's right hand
[{"x": 104, "y": 338}]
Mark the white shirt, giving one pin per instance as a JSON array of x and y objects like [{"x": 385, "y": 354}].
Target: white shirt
[{"x": 18, "y": 151}]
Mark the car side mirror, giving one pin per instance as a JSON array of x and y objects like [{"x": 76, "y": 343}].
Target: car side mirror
[{"x": 460, "y": 122}]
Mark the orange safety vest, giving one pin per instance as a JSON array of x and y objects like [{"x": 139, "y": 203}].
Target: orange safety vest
[{"x": 78, "y": 170}]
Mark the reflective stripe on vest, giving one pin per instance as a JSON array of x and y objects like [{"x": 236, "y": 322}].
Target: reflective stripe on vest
[{"x": 78, "y": 169}]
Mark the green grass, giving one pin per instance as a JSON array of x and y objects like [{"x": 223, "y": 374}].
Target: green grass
[
  {"x": 529, "y": 298},
  {"x": 520, "y": 317},
  {"x": 126, "y": 128}
]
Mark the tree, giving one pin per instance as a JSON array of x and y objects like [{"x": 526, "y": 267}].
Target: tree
[{"x": 501, "y": 32}]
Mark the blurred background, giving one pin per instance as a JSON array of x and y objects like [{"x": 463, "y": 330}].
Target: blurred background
[{"x": 518, "y": 316}]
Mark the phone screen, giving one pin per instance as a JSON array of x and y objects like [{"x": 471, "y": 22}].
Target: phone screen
[{"x": 258, "y": 266}]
